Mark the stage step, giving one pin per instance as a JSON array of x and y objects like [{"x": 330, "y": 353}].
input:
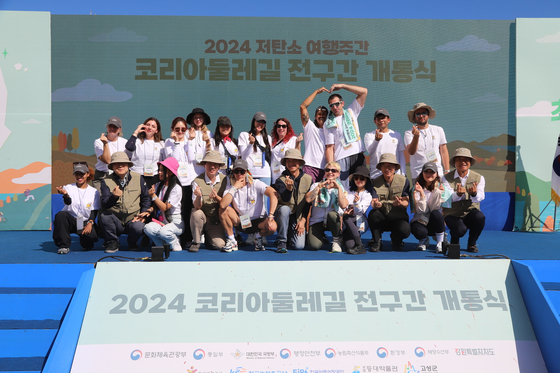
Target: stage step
[{"x": 33, "y": 302}]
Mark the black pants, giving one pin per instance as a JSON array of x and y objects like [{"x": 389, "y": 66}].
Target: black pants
[
  {"x": 435, "y": 225},
  {"x": 64, "y": 224},
  {"x": 474, "y": 222},
  {"x": 351, "y": 234},
  {"x": 399, "y": 228},
  {"x": 186, "y": 208}
]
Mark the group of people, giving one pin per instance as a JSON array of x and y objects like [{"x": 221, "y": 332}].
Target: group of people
[{"x": 201, "y": 187}]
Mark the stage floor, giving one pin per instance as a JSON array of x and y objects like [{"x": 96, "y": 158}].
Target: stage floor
[{"x": 38, "y": 247}]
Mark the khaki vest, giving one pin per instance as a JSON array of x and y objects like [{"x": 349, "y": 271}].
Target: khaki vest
[
  {"x": 386, "y": 195},
  {"x": 210, "y": 207},
  {"x": 296, "y": 206},
  {"x": 462, "y": 208},
  {"x": 128, "y": 205}
]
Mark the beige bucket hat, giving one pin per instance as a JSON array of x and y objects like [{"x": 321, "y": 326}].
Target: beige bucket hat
[
  {"x": 119, "y": 157},
  {"x": 418, "y": 106},
  {"x": 388, "y": 158},
  {"x": 292, "y": 154},
  {"x": 463, "y": 152},
  {"x": 212, "y": 156}
]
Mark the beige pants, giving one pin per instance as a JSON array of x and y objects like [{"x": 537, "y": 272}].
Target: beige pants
[{"x": 214, "y": 234}]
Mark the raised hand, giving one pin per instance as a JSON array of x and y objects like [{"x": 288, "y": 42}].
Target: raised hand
[{"x": 378, "y": 135}]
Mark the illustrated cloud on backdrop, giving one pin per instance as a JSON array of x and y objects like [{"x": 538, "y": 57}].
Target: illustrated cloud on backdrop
[
  {"x": 41, "y": 177},
  {"x": 91, "y": 90},
  {"x": 540, "y": 109},
  {"x": 120, "y": 34},
  {"x": 470, "y": 43},
  {"x": 550, "y": 38},
  {"x": 488, "y": 97}
]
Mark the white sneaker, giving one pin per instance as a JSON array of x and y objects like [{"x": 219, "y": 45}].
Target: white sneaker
[
  {"x": 250, "y": 239},
  {"x": 201, "y": 239},
  {"x": 230, "y": 246},
  {"x": 176, "y": 246},
  {"x": 439, "y": 247},
  {"x": 335, "y": 248},
  {"x": 422, "y": 244}
]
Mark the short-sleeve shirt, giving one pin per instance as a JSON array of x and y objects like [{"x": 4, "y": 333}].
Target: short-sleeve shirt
[
  {"x": 335, "y": 135},
  {"x": 249, "y": 200},
  {"x": 84, "y": 201},
  {"x": 429, "y": 142},
  {"x": 314, "y": 139},
  {"x": 114, "y": 146}
]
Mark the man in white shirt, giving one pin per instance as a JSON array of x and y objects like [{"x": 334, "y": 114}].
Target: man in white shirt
[
  {"x": 384, "y": 140},
  {"x": 425, "y": 142},
  {"x": 247, "y": 212},
  {"x": 342, "y": 132}
]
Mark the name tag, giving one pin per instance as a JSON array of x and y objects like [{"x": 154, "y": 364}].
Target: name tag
[
  {"x": 182, "y": 171},
  {"x": 149, "y": 170},
  {"x": 245, "y": 221},
  {"x": 258, "y": 161},
  {"x": 199, "y": 157},
  {"x": 431, "y": 155},
  {"x": 79, "y": 223},
  {"x": 276, "y": 167},
  {"x": 360, "y": 223}
]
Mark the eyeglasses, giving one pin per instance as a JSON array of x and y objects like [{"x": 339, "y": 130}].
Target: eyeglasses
[
  {"x": 261, "y": 121},
  {"x": 418, "y": 115},
  {"x": 281, "y": 126},
  {"x": 335, "y": 104},
  {"x": 359, "y": 177},
  {"x": 333, "y": 170},
  {"x": 240, "y": 172},
  {"x": 180, "y": 130}
]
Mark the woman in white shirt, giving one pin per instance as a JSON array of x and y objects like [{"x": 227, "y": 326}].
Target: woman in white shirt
[
  {"x": 199, "y": 137},
  {"x": 147, "y": 149},
  {"x": 82, "y": 203},
  {"x": 327, "y": 197},
  {"x": 354, "y": 217},
  {"x": 109, "y": 143},
  {"x": 225, "y": 143},
  {"x": 254, "y": 147},
  {"x": 166, "y": 196},
  {"x": 177, "y": 147},
  {"x": 283, "y": 138},
  {"x": 429, "y": 193}
]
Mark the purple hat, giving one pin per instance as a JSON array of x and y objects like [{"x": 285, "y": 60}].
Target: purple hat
[{"x": 171, "y": 164}]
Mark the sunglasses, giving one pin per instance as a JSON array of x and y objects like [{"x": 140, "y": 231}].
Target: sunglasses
[
  {"x": 282, "y": 126},
  {"x": 239, "y": 172},
  {"x": 335, "y": 104},
  {"x": 418, "y": 115},
  {"x": 333, "y": 170},
  {"x": 360, "y": 177},
  {"x": 180, "y": 130}
]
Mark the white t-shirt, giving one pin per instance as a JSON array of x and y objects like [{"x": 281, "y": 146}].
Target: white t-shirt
[
  {"x": 84, "y": 201},
  {"x": 314, "y": 139},
  {"x": 174, "y": 198},
  {"x": 119, "y": 145},
  {"x": 252, "y": 157},
  {"x": 390, "y": 143},
  {"x": 232, "y": 149},
  {"x": 185, "y": 156},
  {"x": 360, "y": 207},
  {"x": 277, "y": 153},
  {"x": 249, "y": 200},
  {"x": 335, "y": 135},
  {"x": 198, "y": 146},
  {"x": 428, "y": 143},
  {"x": 147, "y": 153}
]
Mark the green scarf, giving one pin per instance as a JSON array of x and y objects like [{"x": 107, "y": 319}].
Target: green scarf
[
  {"x": 325, "y": 198},
  {"x": 349, "y": 128}
]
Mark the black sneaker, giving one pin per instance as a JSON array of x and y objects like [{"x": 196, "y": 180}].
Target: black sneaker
[
  {"x": 375, "y": 247},
  {"x": 472, "y": 249},
  {"x": 281, "y": 248},
  {"x": 112, "y": 247},
  {"x": 357, "y": 249}
]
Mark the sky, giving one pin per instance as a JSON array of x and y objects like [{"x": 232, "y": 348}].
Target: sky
[{"x": 407, "y": 9}]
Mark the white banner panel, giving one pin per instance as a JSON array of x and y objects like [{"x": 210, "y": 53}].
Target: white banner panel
[{"x": 307, "y": 317}]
